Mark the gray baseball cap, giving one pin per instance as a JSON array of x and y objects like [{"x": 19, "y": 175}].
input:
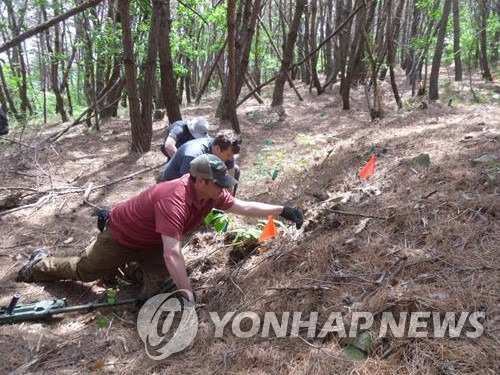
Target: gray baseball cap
[
  {"x": 198, "y": 127},
  {"x": 212, "y": 168}
]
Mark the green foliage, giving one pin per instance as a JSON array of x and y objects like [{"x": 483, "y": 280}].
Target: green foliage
[
  {"x": 102, "y": 322},
  {"x": 428, "y": 7},
  {"x": 268, "y": 163},
  {"x": 219, "y": 220},
  {"x": 245, "y": 235}
]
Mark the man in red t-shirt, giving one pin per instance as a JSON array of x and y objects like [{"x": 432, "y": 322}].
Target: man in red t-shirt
[{"x": 148, "y": 228}]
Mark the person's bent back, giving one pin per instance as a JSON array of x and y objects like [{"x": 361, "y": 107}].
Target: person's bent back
[
  {"x": 180, "y": 132},
  {"x": 225, "y": 145}
]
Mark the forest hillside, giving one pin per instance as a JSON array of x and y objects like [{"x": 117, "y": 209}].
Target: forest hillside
[
  {"x": 420, "y": 235},
  {"x": 379, "y": 119}
]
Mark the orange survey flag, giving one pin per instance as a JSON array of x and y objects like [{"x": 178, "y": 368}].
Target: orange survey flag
[
  {"x": 368, "y": 169},
  {"x": 269, "y": 230}
]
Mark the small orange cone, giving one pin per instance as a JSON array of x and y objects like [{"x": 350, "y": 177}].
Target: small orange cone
[
  {"x": 269, "y": 230},
  {"x": 368, "y": 169}
]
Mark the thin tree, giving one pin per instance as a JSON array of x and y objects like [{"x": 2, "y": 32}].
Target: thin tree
[
  {"x": 457, "y": 56},
  {"x": 393, "y": 28},
  {"x": 139, "y": 142},
  {"x": 231, "y": 114},
  {"x": 288, "y": 53},
  {"x": 312, "y": 43},
  {"x": 436, "y": 61},
  {"x": 246, "y": 19},
  {"x": 168, "y": 87},
  {"x": 55, "y": 51},
  {"x": 484, "y": 9},
  {"x": 148, "y": 82}
]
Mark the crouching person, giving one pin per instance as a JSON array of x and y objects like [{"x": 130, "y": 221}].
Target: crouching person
[
  {"x": 4, "y": 123},
  {"x": 149, "y": 227}
]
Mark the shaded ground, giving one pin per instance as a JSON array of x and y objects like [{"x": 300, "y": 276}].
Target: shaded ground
[{"x": 431, "y": 243}]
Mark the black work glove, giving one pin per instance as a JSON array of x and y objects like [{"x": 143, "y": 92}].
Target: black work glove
[{"x": 293, "y": 214}]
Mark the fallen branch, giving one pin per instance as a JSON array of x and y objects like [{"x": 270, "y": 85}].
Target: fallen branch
[
  {"x": 37, "y": 203},
  {"x": 428, "y": 195},
  {"x": 80, "y": 119},
  {"x": 356, "y": 214},
  {"x": 70, "y": 190},
  {"x": 17, "y": 142},
  {"x": 125, "y": 177},
  {"x": 385, "y": 277},
  {"x": 18, "y": 188},
  {"x": 303, "y": 287}
]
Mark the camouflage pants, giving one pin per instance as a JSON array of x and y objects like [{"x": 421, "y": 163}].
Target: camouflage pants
[{"x": 102, "y": 258}]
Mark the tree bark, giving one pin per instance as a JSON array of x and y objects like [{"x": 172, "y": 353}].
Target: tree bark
[
  {"x": 246, "y": 20},
  {"x": 230, "y": 113},
  {"x": 139, "y": 143},
  {"x": 312, "y": 43},
  {"x": 288, "y": 53},
  {"x": 436, "y": 60},
  {"x": 354, "y": 66},
  {"x": 456, "y": 41},
  {"x": 148, "y": 82},
  {"x": 483, "y": 45},
  {"x": 168, "y": 88},
  {"x": 393, "y": 29},
  {"x": 19, "y": 66},
  {"x": 54, "y": 63}
]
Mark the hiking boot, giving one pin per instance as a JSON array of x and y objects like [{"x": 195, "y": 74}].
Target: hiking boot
[{"x": 25, "y": 274}]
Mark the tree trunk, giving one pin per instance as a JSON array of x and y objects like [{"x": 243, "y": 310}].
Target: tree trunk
[
  {"x": 330, "y": 72},
  {"x": 140, "y": 142},
  {"x": 256, "y": 61},
  {"x": 456, "y": 41},
  {"x": 312, "y": 43},
  {"x": 483, "y": 45},
  {"x": 8, "y": 97},
  {"x": 206, "y": 80},
  {"x": 410, "y": 56},
  {"x": 288, "y": 53},
  {"x": 393, "y": 28},
  {"x": 436, "y": 61},
  {"x": 354, "y": 67},
  {"x": 230, "y": 112},
  {"x": 343, "y": 9},
  {"x": 148, "y": 83},
  {"x": 54, "y": 54},
  {"x": 168, "y": 88},
  {"x": 113, "y": 91},
  {"x": 19, "y": 60},
  {"x": 245, "y": 27},
  {"x": 306, "y": 71}
]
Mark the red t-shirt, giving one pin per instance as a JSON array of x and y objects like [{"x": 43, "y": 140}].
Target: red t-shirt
[{"x": 168, "y": 208}]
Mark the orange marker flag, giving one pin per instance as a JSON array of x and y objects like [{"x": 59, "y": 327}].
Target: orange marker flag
[
  {"x": 368, "y": 169},
  {"x": 269, "y": 230}
]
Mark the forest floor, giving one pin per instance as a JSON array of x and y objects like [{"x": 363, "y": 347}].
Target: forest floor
[{"x": 420, "y": 237}]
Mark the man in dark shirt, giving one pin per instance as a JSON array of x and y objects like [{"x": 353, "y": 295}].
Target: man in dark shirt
[
  {"x": 180, "y": 132},
  {"x": 225, "y": 145},
  {"x": 4, "y": 123}
]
